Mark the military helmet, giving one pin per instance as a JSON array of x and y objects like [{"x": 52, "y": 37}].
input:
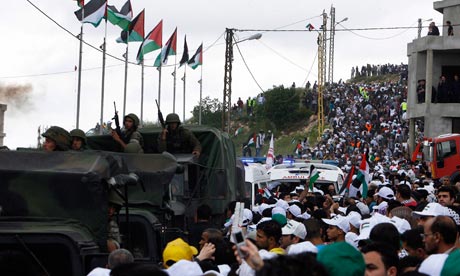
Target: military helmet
[
  {"x": 60, "y": 136},
  {"x": 78, "y": 133},
  {"x": 133, "y": 117},
  {"x": 172, "y": 118}
]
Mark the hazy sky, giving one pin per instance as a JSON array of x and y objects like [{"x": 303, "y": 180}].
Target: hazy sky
[{"x": 38, "y": 57}]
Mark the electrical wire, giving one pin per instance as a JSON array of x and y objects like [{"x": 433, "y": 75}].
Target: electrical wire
[
  {"x": 376, "y": 38},
  {"x": 283, "y": 57},
  {"x": 311, "y": 67},
  {"x": 247, "y": 67},
  {"x": 56, "y": 73}
]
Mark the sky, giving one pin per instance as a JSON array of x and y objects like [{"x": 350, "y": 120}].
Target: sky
[{"x": 38, "y": 80}]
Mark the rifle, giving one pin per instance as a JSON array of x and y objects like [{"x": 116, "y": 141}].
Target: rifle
[
  {"x": 117, "y": 124},
  {"x": 160, "y": 116}
]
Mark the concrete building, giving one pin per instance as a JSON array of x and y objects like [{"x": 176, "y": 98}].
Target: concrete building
[
  {"x": 2, "y": 120},
  {"x": 431, "y": 57}
]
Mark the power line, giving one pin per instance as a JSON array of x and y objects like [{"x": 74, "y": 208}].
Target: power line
[
  {"x": 247, "y": 67},
  {"x": 56, "y": 73},
  {"x": 280, "y": 55}
]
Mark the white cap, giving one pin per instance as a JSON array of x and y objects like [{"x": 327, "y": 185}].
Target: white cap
[
  {"x": 185, "y": 268},
  {"x": 363, "y": 208},
  {"x": 433, "y": 264},
  {"x": 339, "y": 221},
  {"x": 247, "y": 217},
  {"x": 432, "y": 210},
  {"x": 301, "y": 247},
  {"x": 283, "y": 204},
  {"x": 386, "y": 193},
  {"x": 294, "y": 210},
  {"x": 278, "y": 210},
  {"x": 401, "y": 224},
  {"x": 295, "y": 228},
  {"x": 354, "y": 218}
]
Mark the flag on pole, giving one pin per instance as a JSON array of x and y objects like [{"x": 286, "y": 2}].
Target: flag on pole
[
  {"x": 416, "y": 152},
  {"x": 152, "y": 42},
  {"x": 314, "y": 175},
  {"x": 197, "y": 58},
  {"x": 363, "y": 176},
  {"x": 252, "y": 140},
  {"x": 346, "y": 184},
  {"x": 310, "y": 27},
  {"x": 168, "y": 50},
  {"x": 93, "y": 12},
  {"x": 135, "y": 30},
  {"x": 271, "y": 153},
  {"x": 120, "y": 18},
  {"x": 184, "y": 58}
]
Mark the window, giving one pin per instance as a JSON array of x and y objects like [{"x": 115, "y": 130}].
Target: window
[{"x": 446, "y": 149}]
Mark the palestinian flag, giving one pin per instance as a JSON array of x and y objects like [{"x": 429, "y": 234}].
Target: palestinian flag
[
  {"x": 152, "y": 42},
  {"x": 120, "y": 18},
  {"x": 252, "y": 140},
  {"x": 168, "y": 50},
  {"x": 184, "y": 58},
  {"x": 93, "y": 12},
  {"x": 314, "y": 175},
  {"x": 310, "y": 27},
  {"x": 135, "y": 30},
  {"x": 363, "y": 176},
  {"x": 346, "y": 184},
  {"x": 197, "y": 58}
]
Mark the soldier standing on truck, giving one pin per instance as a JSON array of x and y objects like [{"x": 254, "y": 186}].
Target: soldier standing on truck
[
  {"x": 56, "y": 139},
  {"x": 131, "y": 136},
  {"x": 176, "y": 139},
  {"x": 78, "y": 139}
]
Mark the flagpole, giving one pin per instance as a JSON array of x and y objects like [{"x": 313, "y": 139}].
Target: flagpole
[
  {"x": 183, "y": 107},
  {"x": 201, "y": 94},
  {"x": 174, "y": 85},
  {"x": 103, "y": 79},
  {"x": 79, "y": 74},
  {"x": 159, "y": 84},
  {"x": 142, "y": 93},
  {"x": 126, "y": 80}
]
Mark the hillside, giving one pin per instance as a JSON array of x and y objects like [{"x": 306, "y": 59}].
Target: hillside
[{"x": 286, "y": 136}]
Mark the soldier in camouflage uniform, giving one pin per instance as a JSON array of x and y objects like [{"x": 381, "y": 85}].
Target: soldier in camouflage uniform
[
  {"x": 56, "y": 139},
  {"x": 177, "y": 139},
  {"x": 130, "y": 133},
  {"x": 78, "y": 139}
]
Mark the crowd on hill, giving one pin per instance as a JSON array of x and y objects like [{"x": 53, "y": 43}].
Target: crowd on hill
[{"x": 371, "y": 70}]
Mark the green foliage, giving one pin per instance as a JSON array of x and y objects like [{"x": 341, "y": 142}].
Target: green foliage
[
  {"x": 211, "y": 113},
  {"x": 282, "y": 106}
]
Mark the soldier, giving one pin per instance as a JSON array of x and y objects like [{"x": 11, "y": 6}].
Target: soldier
[
  {"x": 78, "y": 139},
  {"x": 177, "y": 139},
  {"x": 56, "y": 139},
  {"x": 130, "y": 133}
]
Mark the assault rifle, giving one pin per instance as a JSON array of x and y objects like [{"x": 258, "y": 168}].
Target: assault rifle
[
  {"x": 160, "y": 116},
  {"x": 117, "y": 124}
]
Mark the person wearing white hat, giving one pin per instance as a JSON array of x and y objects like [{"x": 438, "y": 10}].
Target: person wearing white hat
[
  {"x": 384, "y": 195},
  {"x": 293, "y": 232},
  {"x": 430, "y": 210},
  {"x": 338, "y": 227}
]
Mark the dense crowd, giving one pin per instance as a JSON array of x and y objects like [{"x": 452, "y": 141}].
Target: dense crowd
[
  {"x": 371, "y": 70},
  {"x": 399, "y": 223}
]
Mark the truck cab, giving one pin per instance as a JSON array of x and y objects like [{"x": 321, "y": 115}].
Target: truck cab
[{"x": 443, "y": 155}]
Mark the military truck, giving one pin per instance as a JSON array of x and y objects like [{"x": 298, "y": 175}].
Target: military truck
[{"x": 53, "y": 206}]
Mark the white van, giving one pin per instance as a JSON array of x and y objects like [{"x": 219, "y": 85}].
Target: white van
[
  {"x": 256, "y": 177},
  {"x": 295, "y": 172}
]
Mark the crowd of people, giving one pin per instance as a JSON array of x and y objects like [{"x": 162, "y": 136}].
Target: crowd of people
[
  {"x": 371, "y": 70},
  {"x": 400, "y": 222}
]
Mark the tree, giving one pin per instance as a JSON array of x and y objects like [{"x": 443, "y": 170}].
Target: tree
[
  {"x": 211, "y": 112},
  {"x": 282, "y": 106}
]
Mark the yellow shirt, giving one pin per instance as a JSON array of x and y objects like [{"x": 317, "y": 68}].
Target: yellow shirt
[{"x": 278, "y": 250}]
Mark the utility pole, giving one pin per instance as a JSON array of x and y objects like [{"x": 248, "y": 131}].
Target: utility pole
[
  {"x": 330, "y": 76},
  {"x": 227, "y": 101},
  {"x": 321, "y": 73}
]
